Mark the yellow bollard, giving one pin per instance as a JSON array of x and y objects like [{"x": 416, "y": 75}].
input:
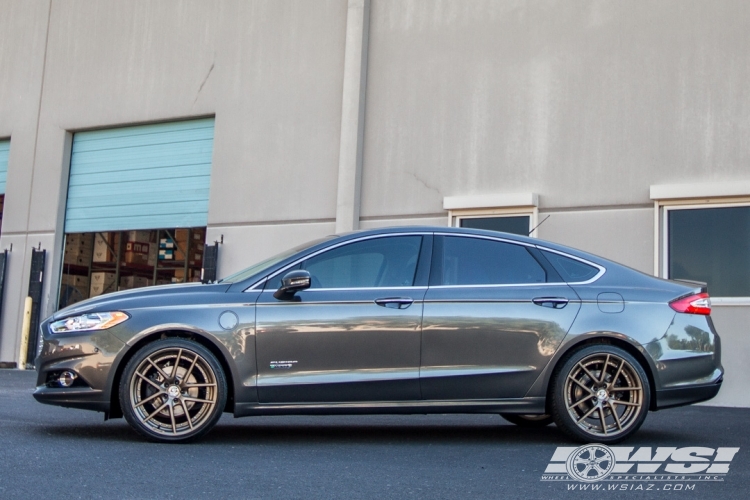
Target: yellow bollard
[{"x": 25, "y": 333}]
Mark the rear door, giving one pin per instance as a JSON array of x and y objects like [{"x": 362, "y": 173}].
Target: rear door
[
  {"x": 494, "y": 314},
  {"x": 354, "y": 335}
]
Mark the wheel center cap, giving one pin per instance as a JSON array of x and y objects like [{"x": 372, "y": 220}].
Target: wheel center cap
[
  {"x": 173, "y": 391},
  {"x": 602, "y": 395}
]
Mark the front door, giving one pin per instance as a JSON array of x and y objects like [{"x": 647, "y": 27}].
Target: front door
[{"x": 354, "y": 335}]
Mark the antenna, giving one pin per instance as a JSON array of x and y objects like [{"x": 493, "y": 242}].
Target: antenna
[{"x": 539, "y": 225}]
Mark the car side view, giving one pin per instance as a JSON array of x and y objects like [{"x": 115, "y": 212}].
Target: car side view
[{"x": 397, "y": 320}]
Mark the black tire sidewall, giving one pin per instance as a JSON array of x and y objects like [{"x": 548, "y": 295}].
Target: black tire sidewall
[
  {"x": 147, "y": 350},
  {"x": 519, "y": 420},
  {"x": 559, "y": 406}
]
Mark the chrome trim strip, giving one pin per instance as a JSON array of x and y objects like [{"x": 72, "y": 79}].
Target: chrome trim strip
[
  {"x": 355, "y": 289},
  {"x": 338, "y": 376},
  {"x": 468, "y": 370},
  {"x": 499, "y": 286}
]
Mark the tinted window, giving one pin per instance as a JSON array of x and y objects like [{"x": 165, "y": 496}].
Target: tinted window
[
  {"x": 475, "y": 261},
  {"x": 571, "y": 270},
  {"x": 515, "y": 225},
  {"x": 712, "y": 245},
  {"x": 377, "y": 262}
]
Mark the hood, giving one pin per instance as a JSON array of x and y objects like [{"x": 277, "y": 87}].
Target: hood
[{"x": 144, "y": 297}]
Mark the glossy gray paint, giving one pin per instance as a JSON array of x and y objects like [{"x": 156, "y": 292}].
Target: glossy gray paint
[{"x": 453, "y": 349}]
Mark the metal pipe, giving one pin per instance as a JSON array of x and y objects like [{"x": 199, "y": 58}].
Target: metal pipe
[{"x": 25, "y": 330}]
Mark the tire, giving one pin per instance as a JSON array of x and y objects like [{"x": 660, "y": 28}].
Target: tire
[
  {"x": 168, "y": 405},
  {"x": 528, "y": 421},
  {"x": 600, "y": 394}
]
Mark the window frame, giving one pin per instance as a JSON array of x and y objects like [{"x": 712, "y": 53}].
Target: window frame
[
  {"x": 456, "y": 216},
  {"x": 661, "y": 223}
]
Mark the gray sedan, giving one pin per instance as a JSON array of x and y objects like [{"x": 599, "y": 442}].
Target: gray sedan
[{"x": 404, "y": 320}]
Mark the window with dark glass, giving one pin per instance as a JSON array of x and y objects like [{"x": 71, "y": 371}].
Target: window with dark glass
[
  {"x": 711, "y": 245},
  {"x": 571, "y": 270},
  {"x": 377, "y": 262},
  {"x": 476, "y": 261},
  {"x": 517, "y": 224}
]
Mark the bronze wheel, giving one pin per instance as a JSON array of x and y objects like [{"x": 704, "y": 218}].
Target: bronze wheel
[
  {"x": 601, "y": 394},
  {"x": 173, "y": 390}
]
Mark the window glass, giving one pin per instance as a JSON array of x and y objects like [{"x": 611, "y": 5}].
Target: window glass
[
  {"x": 514, "y": 225},
  {"x": 377, "y": 262},
  {"x": 476, "y": 261},
  {"x": 711, "y": 245},
  {"x": 571, "y": 270}
]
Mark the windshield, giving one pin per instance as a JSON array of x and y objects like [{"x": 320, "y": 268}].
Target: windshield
[{"x": 271, "y": 261}]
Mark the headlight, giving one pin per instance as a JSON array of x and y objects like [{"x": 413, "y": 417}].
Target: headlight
[{"x": 88, "y": 322}]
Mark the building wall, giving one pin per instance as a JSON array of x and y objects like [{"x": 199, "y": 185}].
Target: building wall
[{"x": 586, "y": 104}]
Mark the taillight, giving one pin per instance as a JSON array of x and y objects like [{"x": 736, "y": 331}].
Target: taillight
[{"x": 700, "y": 303}]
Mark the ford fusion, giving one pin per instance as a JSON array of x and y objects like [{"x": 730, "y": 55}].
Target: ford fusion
[{"x": 404, "y": 320}]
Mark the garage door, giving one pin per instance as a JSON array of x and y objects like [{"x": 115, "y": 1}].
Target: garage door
[{"x": 141, "y": 177}]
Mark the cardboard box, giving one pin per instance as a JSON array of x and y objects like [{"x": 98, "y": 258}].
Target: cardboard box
[
  {"x": 75, "y": 280},
  {"x": 142, "y": 236},
  {"x": 136, "y": 252},
  {"x": 127, "y": 282},
  {"x": 166, "y": 254},
  {"x": 102, "y": 282},
  {"x": 104, "y": 243},
  {"x": 77, "y": 256},
  {"x": 166, "y": 243}
]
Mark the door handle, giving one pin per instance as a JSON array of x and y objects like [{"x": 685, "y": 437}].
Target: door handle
[
  {"x": 553, "y": 302},
  {"x": 395, "y": 302}
]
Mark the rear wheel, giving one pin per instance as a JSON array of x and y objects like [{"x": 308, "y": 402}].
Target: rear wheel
[
  {"x": 528, "y": 420},
  {"x": 173, "y": 390},
  {"x": 600, "y": 394}
]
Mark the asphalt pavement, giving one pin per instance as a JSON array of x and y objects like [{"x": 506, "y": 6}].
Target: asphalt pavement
[{"x": 50, "y": 452}]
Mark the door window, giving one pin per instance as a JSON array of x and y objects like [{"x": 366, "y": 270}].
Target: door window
[
  {"x": 476, "y": 261},
  {"x": 376, "y": 262}
]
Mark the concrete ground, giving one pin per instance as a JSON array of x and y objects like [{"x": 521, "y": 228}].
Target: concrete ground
[{"x": 50, "y": 452}]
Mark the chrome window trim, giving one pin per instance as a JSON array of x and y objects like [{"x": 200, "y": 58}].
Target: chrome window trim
[
  {"x": 355, "y": 289},
  {"x": 363, "y": 238}
]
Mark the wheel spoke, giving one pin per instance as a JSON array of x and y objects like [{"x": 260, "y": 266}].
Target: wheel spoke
[
  {"x": 176, "y": 364},
  {"x": 144, "y": 401},
  {"x": 614, "y": 414},
  {"x": 155, "y": 412},
  {"x": 171, "y": 416},
  {"x": 196, "y": 400},
  {"x": 601, "y": 417},
  {"x": 617, "y": 373},
  {"x": 622, "y": 389},
  {"x": 625, "y": 403},
  {"x": 591, "y": 375},
  {"x": 604, "y": 370},
  {"x": 587, "y": 415},
  {"x": 570, "y": 377},
  {"x": 189, "y": 370},
  {"x": 188, "y": 386},
  {"x": 161, "y": 372},
  {"x": 150, "y": 382},
  {"x": 581, "y": 401},
  {"x": 187, "y": 415}
]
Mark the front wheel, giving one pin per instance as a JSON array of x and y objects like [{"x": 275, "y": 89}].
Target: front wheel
[
  {"x": 173, "y": 390},
  {"x": 600, "y": 394}
]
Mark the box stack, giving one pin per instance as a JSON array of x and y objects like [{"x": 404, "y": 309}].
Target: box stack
[
  {"x": 104, "y": 244},
  {"x": 127, "y": 282},
  {"x": 192, "y": 275},
  {"x": 78, "y": 249},
  {"x": 166, "y": 249},
  {"x": 193, "y": 243},
  {"x": 102, "y": 282},
  {"x": 138, "y": 248},
  {"x": 74, "y": 288}
]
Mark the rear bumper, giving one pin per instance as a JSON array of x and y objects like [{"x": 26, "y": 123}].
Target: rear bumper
[{"x": 681, "y": 396}]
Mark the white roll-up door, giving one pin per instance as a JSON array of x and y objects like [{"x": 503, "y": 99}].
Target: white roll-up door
[{"x": 140, "y": 177}]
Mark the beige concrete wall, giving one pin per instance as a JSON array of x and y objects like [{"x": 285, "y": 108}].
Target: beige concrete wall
[{"x": 731, "y": 323}]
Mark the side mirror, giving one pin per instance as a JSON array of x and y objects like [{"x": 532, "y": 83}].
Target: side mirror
[{"x": 291, "y": 283}]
